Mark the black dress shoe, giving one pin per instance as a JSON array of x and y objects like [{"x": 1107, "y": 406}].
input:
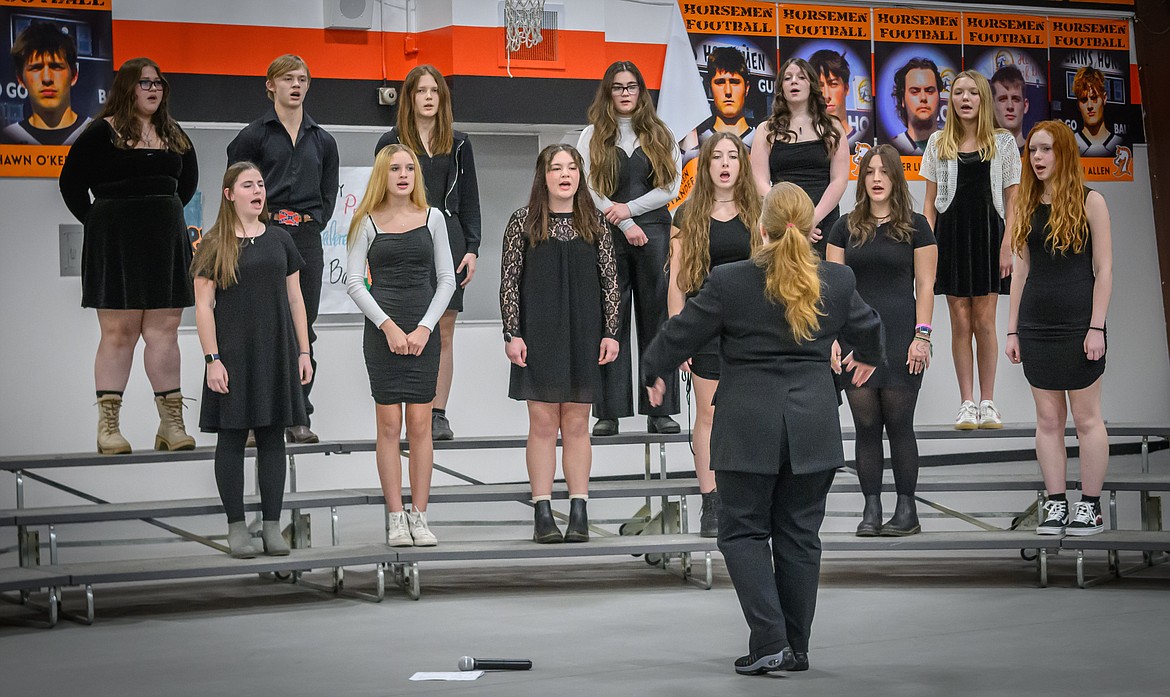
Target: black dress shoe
[
  {"x": 871, "y": 517},
  {"x": 441, "y": 427},
  {"x": 662, "y": 424},
  {"x": 905, "y": 519},
  {"x": 545, "y": 530},
  {"x": 300, "y": 434},
  {"x": 578, "y": 530},
  {"x": 760, "y": 663},
  {"x": 800, "y": 663},
  {"x": 605, "y": 427}
]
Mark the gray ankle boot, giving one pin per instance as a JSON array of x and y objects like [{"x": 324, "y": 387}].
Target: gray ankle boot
[
  {"x": 274, "y": 544},
  {"x": 240, "y": 541}
]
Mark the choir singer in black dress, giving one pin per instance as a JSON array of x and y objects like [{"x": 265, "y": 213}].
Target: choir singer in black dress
[
  {"x": 1061, "y": 288},
  {"x": 776, "y": 439},
  {"x": 559, "y": 301}
]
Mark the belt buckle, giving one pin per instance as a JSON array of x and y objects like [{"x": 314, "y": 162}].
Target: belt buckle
[{"x": 287, "y": 217}]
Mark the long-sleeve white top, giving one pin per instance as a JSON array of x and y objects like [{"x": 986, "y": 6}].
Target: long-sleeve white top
[
  {"x": 355, "y": 277},
  {"x": 627, "y": 140}
]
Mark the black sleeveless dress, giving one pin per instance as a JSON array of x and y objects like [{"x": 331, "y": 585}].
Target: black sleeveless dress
[
  {"x": 402, "y": 268},
  {"x": 1056, "y": 308},
  {"x": 807, "y": 165},
  {"x": 730, "y": 240},
  {"x": 969, "y": 233}
]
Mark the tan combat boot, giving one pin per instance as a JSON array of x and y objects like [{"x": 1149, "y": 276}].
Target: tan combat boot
[
  {"x": 109, "y": 436},
  {"x": 171, "y": 433}
]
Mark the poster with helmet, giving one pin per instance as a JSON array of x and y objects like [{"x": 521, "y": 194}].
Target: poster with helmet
[
  {"x": 917, "y": 54},
  {"x": 56, "y": 69},
  {"x": 734, "y": 47},
  {"x": 1091, "y": 92},
  {"x": 1011, "y": 51}
]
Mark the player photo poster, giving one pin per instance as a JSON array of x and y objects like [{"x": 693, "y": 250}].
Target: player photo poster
[
  {"x": 734, "y": 45},
  {"x": 56, "y": 67},
  {"x": 917, "y": 54},
  {"x": 1011, "y": 51},
  {"x": 836, "y": 42},
  {"x": 1091, "y": 92}
]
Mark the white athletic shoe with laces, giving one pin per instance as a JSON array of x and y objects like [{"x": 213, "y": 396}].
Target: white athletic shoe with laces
[
  {"x": 423, "y": 537},
  {"x": 968, "y": 417},
  {"x": 397, "y": 531},
  {"x": 988, "y": 415},
  {"x": 1086, "y": 520}
]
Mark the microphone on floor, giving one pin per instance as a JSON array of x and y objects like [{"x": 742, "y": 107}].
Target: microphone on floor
[{"x": 469, "y": 663}]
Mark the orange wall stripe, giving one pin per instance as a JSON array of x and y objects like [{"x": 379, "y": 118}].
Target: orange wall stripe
[{"x": 220, "y": 49}]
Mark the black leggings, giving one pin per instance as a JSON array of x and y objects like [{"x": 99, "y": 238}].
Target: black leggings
[
  {"x": 229, "y": 470},
  {"x": 892, "y": 408}
]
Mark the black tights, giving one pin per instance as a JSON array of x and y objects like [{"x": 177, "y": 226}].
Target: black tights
[
  {"x": 229, "y": 470},
  {"x": 893, "y": 408}
]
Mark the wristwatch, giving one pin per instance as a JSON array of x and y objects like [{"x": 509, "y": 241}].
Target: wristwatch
[{"x": 211, "y": 358}]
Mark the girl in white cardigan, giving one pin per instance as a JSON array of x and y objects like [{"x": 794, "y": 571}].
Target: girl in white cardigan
[{"x": 972, "y": 170}]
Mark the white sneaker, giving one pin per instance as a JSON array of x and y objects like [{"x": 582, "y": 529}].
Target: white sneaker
[
  {"x": 397, "y": 532},
  {"x": 989, "y": 415},
  {"x": 423, "y": 537},
  {"x": 968, "y": 417}
]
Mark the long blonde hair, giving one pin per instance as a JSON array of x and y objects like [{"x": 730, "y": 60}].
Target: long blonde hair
[
  {"x": 694, "y": 220},
  {"x": 655, "y": 138},
  {"x": 377, "y": 188},
  {"x": 218, "y": 256},
  {"x": 442, "y": 137},
  {"x": 985, "y": 130},
  {"x": 788, "y": 260},
  {"x": 1068, "y": 223}
]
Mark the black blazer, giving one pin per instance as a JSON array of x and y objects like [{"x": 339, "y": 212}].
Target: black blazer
[{"x": 776, "y": 398}]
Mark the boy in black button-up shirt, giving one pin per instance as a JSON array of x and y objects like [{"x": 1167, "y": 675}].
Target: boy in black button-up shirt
[{"x": 299, "y": 162}]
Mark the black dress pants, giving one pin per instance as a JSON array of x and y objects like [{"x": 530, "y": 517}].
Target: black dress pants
[
  {"x": 642, "y": 280},
  {"x": 307, "y": 237},
  {"x": 769, "y": 534}
]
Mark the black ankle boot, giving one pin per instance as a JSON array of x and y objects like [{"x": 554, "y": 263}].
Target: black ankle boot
[
  {"x": 709, "y": 516},
  {"x": 871, "y": 517},
  {"x": 578, "y": 530},
  {"x": 905, "y": 519},
  {"x": 545, "y": 529}
]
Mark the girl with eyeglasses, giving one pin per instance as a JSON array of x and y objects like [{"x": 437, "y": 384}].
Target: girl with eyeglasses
[
  {"x": 141, "y": 170},
  {"x": 632, "y": 168}
]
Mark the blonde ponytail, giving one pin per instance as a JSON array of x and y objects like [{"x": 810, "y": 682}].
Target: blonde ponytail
[{"x": 788, "y": 260}]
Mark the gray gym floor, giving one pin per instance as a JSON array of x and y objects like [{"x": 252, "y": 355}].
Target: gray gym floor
[{"x": 930, "y": 624}]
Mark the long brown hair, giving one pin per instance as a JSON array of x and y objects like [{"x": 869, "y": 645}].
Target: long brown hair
[
  {"x": 1068, "y": 223},
  {"x": 824, "y": 123},
  {"x": 122, "y": 109},
  {"x": 442, "y": 137},
  {"x": 862, "y": 225},
  {"x": 694, "y": 220},
  {"x": 218, "y": 256},
  {"x": 655, "y": 138},
  {"x": 586, "y": 219},
  {"x": 788, "y": 260},
  {"x": 985, "y": 130},
  {"x": 377, "y": 189}
]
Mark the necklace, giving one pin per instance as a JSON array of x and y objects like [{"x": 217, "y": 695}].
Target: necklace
[
  {"x": 249, "y": 240},
  {"x": 723, "y": 200}
]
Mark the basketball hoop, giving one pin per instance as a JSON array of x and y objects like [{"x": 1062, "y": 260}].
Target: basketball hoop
[{"x": 523, "y": 20}]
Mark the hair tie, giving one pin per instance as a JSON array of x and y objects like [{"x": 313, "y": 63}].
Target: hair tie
[{"x": 790, "y": 226}]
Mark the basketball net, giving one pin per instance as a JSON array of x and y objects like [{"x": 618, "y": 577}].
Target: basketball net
[{"x": 523, "y": 20}]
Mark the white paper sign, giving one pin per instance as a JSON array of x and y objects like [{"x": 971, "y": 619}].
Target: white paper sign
[
  {"x": 351, "y": 187},
  {"x": 455, "y": 675}
]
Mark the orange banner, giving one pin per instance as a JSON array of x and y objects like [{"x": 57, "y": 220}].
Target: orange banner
[
  {"x": 60, "y": 4},
  {"x": 819, "y": 22},
  {"x": 1018, "y": 31},
  {"x": 917, "y": 26},
  {"x": 32, "y": 160},
  {"x": 729, "y": 17},
  {"x": 1099, "y": 34}
]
